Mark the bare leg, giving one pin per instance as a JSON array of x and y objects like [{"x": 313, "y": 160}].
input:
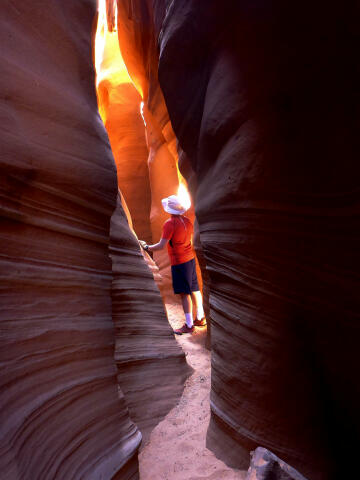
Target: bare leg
[
  {"x": 187, "y": 307},
  {"x": 200, "y": 315},
  {"x": 186, "y": 302},
  {"x": 197, "y": 299}
]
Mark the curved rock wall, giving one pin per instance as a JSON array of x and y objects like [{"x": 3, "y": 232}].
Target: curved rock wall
[
  {"x": 262, "y": 99},
  {"x": 138, "y": 44},
  {"x": 151, "y": 365},
  {"x": 119, "y": 105},
  {"x": 271, "y": 134},
  {"x": 62, "y": 414},
  {"x": 144, "y": 148},
  {"x": 127, "y": 139}
]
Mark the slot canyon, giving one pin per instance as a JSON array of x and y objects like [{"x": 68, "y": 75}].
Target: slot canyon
[{"x": 107, "y": 107}]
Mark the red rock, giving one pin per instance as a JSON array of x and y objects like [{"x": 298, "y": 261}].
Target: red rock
[
  {"x": 62, "y": 412},
  {"x": 125, "y": 128},
  {"x": 262, "y": 98},
  {"x": 151, "y": 365}
]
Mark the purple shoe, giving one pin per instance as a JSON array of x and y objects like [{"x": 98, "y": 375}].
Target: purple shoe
[{"x": 184, "y": 329}]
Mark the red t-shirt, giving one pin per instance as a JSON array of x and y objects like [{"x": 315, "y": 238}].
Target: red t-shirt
[{"x": 179, "y": 230}]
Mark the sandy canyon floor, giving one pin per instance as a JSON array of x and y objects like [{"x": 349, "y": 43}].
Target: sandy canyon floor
[{"x": 176, "y": 449}]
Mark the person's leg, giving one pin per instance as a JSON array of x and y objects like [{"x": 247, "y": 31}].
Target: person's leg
[
  {"x": 197, "y": 300},
  {"x": 187, "y": 307},
  {"x": 180, "y": 275}
]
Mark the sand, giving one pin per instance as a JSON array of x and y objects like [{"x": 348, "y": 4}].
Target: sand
[{"x": 176, "y": 449}]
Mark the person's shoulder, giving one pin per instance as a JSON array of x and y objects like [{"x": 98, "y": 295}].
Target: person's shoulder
[
  {"x": 187, "y": 220},
  {"x": 169, "y": 221},
  {"x": 168, "y": 224}
]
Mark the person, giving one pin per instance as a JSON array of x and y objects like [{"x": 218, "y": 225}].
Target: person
[{"x": 177, "y": 234}]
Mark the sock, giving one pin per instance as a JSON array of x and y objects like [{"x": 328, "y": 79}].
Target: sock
[
  {"x": 189, "y": 319},
  {"x": 200, "y": 313}
]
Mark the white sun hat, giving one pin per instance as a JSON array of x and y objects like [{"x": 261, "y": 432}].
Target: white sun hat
[{"x": 174, "y": 206}]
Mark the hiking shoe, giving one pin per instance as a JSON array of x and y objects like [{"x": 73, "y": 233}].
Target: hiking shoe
[
  {"x": 184, "y": 329},
  {"x": 200, "y": 323}
]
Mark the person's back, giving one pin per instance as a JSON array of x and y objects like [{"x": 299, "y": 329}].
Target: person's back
[{"x": 179, "y": 230}]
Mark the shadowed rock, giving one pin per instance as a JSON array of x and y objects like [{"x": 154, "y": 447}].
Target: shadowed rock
[
  {"x": 265, "y": 465},
  {"x": 262, "y": 98},
  {"x": 62, "y": 414}
]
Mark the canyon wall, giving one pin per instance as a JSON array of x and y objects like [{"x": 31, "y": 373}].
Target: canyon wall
[
  {"x": 63, "y": 414},
  {"x": 119, "y": 105},
  {"x": 151, "y": 365},
  {"x": 261, "y": 96},
  {"x": 143, "y": 145},
  {"x": 125, "y": 128}
]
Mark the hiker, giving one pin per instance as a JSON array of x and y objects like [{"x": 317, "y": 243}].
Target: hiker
[{"x": 177, "y": 235}]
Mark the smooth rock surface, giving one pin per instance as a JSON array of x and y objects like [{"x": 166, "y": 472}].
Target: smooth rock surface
[
  {"x": 125, "y": 128},
  {"x": 62, "y": 413},
  {"x": 265, "y": 465},
  {"x": 119, "y": 105},
  {"x": 262, "y": 98}
]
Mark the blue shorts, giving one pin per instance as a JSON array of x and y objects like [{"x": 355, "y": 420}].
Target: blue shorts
[{"x": 184, "y": 277}]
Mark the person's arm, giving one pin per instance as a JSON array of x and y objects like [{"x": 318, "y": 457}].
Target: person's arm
[
  {"x": 157, "y": 246},
  {"x": 167, "y": 232}
]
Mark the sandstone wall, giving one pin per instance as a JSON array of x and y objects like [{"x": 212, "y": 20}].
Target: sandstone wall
[
  {"x": 119, "y": 105},
  {"x": 262, "y": 99},
  {"x": 62, "y": 414},
  {"x": 126, "y": 132},
  {"x": 151, "y": 365},
  {"x": 137, "y": 24},
  {"x": 267, "y": 114}
]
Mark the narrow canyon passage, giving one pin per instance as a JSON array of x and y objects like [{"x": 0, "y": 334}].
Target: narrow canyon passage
[
  {"x": 176, "y": 449},
  {"x": 253, "y": 109}
]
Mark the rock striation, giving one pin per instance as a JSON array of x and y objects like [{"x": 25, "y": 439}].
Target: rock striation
[
  {"x": 151, "y": 365},
  {"x": 62, "y": 413},
  {"x": 262, "y": 99},
  {"x": 119, "y": 105}
]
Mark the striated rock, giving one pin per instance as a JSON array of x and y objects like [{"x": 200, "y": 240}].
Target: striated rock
[
  {"x": 261, "y": 96},
  {"x": 265, "y": 465},
  {"x": 119, "y": 105},
  {"x": 269, "y": 127},
  {"x": 151, "y": 365},
  {"x": 138, "y": 45},
  {"x": 147, "y": 168},
  {"x": 139, "y": 49},
  {"x": 127, "y": 139},
  {"x": 62, "y": 414},
  {"x": 164, "y": 181}
]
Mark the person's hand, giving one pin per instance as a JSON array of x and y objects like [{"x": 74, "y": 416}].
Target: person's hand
[{"x": 143, "y": 245}]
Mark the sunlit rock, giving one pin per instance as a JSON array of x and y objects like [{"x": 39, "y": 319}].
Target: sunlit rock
[{"x": 119, "y": 105}]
